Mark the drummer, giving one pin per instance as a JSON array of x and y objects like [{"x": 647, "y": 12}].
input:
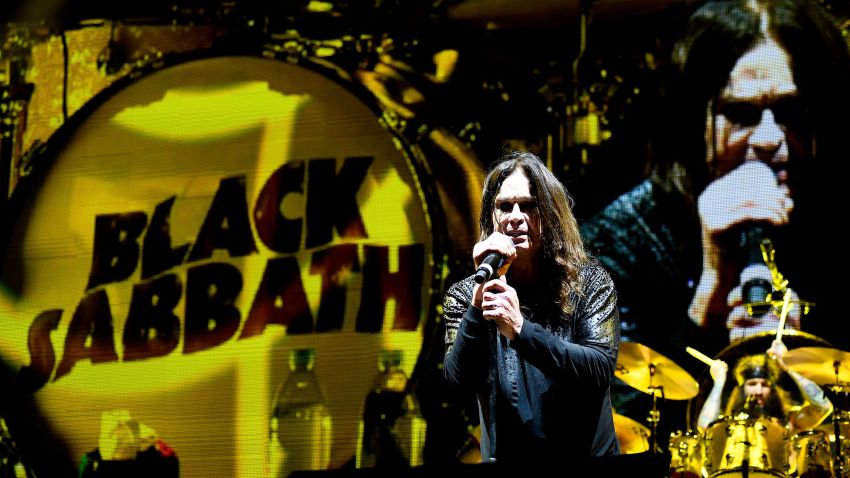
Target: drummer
[{"x": 758, "y": 394}]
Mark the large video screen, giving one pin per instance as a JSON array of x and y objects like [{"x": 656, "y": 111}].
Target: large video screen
[{"x": 233, "y": 265}]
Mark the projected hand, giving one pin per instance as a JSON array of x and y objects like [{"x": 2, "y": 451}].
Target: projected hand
[{"x": 748, "y": 193}]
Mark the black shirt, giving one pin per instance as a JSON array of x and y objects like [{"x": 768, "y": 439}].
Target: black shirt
[{"x": 544, "y": 395}]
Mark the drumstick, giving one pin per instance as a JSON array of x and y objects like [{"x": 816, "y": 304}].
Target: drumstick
[
  {"x": 783, "y": 314},
  {"x": 700, "y": 356}
]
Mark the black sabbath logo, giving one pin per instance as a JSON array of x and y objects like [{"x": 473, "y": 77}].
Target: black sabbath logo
[{"x": 134, "y": 242}]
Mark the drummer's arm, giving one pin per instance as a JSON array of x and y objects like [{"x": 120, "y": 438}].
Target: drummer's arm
[
  {"x": 817, "y": 405},
  {"x": 711, "y": 408}
]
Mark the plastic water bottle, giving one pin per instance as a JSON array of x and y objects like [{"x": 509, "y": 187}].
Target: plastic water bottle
[
  {"x": 392, "y": 430},
  {"x": 300, "y": 426}
]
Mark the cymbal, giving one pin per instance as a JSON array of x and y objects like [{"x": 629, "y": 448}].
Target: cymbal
[
  {"x": 650, "y": 372},
  {"x": 820, "y": 364},
  {"x": 632, "y": 435},
  {"x": 760, "y": 342},
  {"x": 829, "y": 429}
]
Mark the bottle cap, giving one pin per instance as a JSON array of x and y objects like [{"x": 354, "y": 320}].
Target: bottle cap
[
  {"x": 390, "y": 359},
  {"x": 302, "y": 358}
]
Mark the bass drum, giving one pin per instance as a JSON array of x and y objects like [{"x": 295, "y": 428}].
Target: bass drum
[
  {"x": 185, "y": 232},
  {"x": 810, "y": 456},
  {"x": 746, "y": 447}
]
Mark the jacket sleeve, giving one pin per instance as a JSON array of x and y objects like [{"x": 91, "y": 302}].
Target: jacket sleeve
[
  {"x": 591, "y": 357},
  {"x": 467, "y": 359}
]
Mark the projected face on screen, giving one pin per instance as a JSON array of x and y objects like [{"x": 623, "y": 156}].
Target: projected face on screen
[
  {"x": 757, "y": 112},
  {"x": 722, "y": 241},
  {"x": 758, "y": 127},
  {"x": 722, "y": 246}
]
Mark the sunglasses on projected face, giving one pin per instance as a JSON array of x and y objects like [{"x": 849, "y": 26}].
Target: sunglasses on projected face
[{"x": 787, "y": 111}]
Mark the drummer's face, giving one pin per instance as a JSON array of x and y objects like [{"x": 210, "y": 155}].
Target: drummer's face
[{"x": 759, "y": 387}]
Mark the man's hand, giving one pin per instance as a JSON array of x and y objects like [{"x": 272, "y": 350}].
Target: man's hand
[{"x": 500, "y": 304}]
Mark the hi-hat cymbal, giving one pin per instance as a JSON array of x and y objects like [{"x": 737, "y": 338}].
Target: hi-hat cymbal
[
  {"x": 820, "y": 364},
  {"x": 650, "y": 372},
  {"x": 632, "y": 435}
]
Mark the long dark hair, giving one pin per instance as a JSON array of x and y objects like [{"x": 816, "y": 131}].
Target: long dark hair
[{"x": 563, "y": 253}]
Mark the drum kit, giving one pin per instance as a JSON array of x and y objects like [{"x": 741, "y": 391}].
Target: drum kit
[{"x": 743, "y": 445}]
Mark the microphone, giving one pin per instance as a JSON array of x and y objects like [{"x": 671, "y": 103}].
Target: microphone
[
  {"x": 491, "y": 263},
  {"x": 756, "y": 289},
  {"x": 753, "y": 407}
]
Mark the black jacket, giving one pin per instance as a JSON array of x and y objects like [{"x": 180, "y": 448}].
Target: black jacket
[{"x": 544, "y": 395}]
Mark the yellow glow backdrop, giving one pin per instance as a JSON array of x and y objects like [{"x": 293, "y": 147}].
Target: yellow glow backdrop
[{"x": 179, "y": 132}]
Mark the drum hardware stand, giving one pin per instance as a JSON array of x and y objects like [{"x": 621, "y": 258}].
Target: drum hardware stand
[
  {"x": 654, "y": 413},
  {"x": 837, "y": 416},
  {"x": 745, "y": 461},
  {"x": 581, "y": 121},
  {"x": 779, "y": 299},
  {"x": 838, "y": 464}
]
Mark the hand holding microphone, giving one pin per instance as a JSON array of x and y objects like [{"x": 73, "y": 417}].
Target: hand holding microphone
[
  {"x": 492, "y": 255},
  {"x": 492, "y": 262},
  {"x": 496, "y": 298},
  {"x": 737, "y": 211},
  {"x": 756, "y": 277}
]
